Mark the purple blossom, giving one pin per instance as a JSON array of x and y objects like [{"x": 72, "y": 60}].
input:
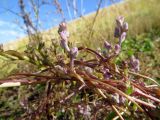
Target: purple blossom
[
  {"x": 117, "y": 32},
  {"x": 120, "y": 21},
  {"x": 107, "y": 45},
  {"x": 135, "y": 64},
  {"x": 122, "y": 37},
  {"x": 74, "y": 52},
  {"x": 64, "y": 45},
  {"x": 107, "y": 75},
  {"x": 121, "y": 29},
  {"x": 125, "y": 27},
  {"x": 117, "y": 49},
  {"x": 62, "y": 27},
  {"x": 64, "y": 35}
]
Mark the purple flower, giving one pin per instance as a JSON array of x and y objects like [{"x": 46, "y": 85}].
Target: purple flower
[
  {"x": 122, "y": 37},
  {"x": 64, "y": 45},
  {"x": 125, "y": 27},
  {"x": 106, "y": 74},
  {"x": 64, "y": 35},
  {"x": 74, "y": 52},
  {"x": 62, "y": 27},
  {"x": 107, "y": 45},
  {"x": 117, "y": 49},
  {"x": 117, "y": 32},
  {"x": 120, "y": 20},
  {"x": 121, "y": 29},
  {"x": 135, "y": 64}
]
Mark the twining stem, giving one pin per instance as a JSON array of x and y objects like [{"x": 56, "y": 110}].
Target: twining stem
[
  {"x": 143, "y": 76},
  {"x": 143, "y": 103},
  {"x": 115, "y": 109},
  {"x": 124, "y": 111},
  {"x": 72, "y": 94},
  {"x": 99, "y": 83},
  {"x": 121, "y": 93},
  {"x": 147, "y": 96}
]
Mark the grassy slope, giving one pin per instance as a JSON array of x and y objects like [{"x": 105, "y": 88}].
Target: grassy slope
[{"x": 142, "y": 15}]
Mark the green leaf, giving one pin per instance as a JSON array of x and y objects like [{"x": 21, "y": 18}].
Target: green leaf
[
  {"x": 15, "y": 54},
  {"x": 147, "y": 46},
  {"x": 111, "y": 115},
  {"x": 129, "y": 90},
  {"x": 130, "y": 52},
  {"x": 135, "y": 107}
]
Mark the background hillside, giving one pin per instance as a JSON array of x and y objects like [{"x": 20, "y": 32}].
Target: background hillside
[{"x": 142, "y": 16}]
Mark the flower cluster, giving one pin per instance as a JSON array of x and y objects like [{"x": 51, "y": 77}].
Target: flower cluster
[
  {"x": 121, "y": 29},
  {"x": 135, "y": 64},
  {"x": 64, "y": 34},
  {"x": 120, "y": 32}
]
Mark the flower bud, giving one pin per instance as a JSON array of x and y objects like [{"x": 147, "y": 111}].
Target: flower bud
[
  {"x": 107, "y": 45},
  {"x": 117, "y": 32},
  {"x": 135, "y": 64},
  {"x": 107, "y": 75},
  {"x": 122, "y": 37},
  {"x": 64, "y": 45},
  {"x": 64, "y": 35},
  {"x": 125, "y": 27},
  {"x": 117, "y": 49},
  {"x": 74, "y": 52},
  {"x": 62, "y": 27},
  {"x": 120, "y": 21}
]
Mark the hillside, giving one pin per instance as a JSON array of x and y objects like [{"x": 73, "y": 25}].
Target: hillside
[{"x": 142, "y": 15}]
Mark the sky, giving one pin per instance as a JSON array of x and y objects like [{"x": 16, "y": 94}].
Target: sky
[{"x": 11, "y": 25}]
